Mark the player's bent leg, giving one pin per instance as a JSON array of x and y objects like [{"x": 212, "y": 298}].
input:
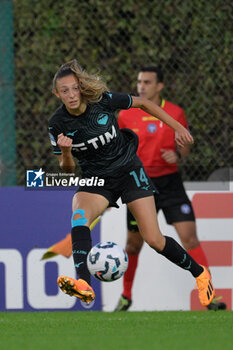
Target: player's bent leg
[
  {"x": 146, "y": 217},
  {"x": 144, "y": 211},
  {"x": 86, "y": 208}
]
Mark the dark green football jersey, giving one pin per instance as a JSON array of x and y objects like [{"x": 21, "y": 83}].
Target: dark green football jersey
[{"x": 99, "y": 145}]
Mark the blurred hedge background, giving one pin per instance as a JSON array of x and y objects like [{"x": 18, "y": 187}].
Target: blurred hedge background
[{"x": 191, "y": 40}]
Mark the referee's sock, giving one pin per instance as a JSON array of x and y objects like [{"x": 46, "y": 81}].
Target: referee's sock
[
  {"x": 176, "y": 254},
  {"x": 198, "y": 254},
  {"x": 129, "y": 274},
  {"x": 81, "y": 245}
]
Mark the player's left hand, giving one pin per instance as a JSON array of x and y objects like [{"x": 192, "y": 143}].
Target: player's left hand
[
  {"x": 169, "y": 156},
  {"x": 183, "y": 137}
]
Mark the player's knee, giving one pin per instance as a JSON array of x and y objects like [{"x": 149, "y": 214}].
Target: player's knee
[{"x": 156, "y": 243}]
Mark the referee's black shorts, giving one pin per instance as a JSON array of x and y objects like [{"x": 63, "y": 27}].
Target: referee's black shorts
[
  {"x": 171, "y": 199},
  {"x": 128, "y": 183}
]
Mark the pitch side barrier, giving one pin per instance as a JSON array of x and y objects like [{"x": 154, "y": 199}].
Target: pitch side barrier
[{"x": 31, "y": 221}]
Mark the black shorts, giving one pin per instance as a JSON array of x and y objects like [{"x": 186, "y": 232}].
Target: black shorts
[
  {"x": 129, "y": 184},
  {"x": 172, "y": 199}
]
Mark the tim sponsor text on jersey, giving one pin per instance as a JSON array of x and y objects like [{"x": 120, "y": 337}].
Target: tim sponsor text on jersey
[{"x": 95, "y": 142}]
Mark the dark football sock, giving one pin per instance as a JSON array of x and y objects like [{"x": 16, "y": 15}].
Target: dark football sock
[
  {"x": 81, "y": 245},
  {"x": 176, "y": 254}
]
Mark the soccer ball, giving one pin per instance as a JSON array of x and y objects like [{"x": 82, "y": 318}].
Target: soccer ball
[{"x": 107, "y": 261}]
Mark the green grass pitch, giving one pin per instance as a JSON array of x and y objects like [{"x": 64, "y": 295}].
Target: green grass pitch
[{"x": 123, "y": 330}]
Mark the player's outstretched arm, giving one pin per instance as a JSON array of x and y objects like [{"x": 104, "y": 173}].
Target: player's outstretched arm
[{"x": 182, "y": 135}]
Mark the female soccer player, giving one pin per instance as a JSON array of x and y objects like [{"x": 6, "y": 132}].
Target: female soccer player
[{"x": 85, "y": 127}]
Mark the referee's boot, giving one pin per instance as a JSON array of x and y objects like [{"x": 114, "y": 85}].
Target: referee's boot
[
  {"x": 217, "y": 305},
  {"x": 78, "y": 288},
  {"x": 123, "y": 304}
]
